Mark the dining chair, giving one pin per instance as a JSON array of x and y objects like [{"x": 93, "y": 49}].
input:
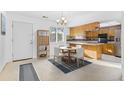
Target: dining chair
[
  {"x": 78, "y": 46},
  {"x": 57, "y": 53},
  {"x": 64, "y": 45},
  {"x": 79, "y": 55},
  {"x": 64, "y": 51}
]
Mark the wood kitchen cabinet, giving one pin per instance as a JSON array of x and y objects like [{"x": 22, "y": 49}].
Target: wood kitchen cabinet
[
  {"x": 92, "y": 51},
  {"x": 108, "y": 49},
  {"x": 87, "y": 34},
  {"x": 109, "y": 30},
  {"x": 95, "y": 34},
  {"x": 91, "y": 34},
  {"x": 73, "y": 31},
  {"x": 89, "y": 30},
  {"x": 95, "y": 51},
  {"x": 81, "y": 29}
]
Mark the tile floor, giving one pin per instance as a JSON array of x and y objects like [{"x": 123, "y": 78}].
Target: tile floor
[{"x": 99, "y": 70}]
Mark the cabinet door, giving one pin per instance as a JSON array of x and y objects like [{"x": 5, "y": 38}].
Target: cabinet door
[
  {"x": 88, "y": 34},
  {"x": 111, "y": 32},
  {"x": 71, "y": 31},
  {"x": 79, "y": 30},
  {"x": 108, "y": 49},
  {"x": 96, "y": 34}
]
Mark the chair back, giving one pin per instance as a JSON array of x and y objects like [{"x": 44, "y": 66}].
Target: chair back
[
  {"x": 56, "y": 51},
  {"x": 63, "y": 45},
  {"x": 79, "y": 52},
  {"x": 78, "y": 46}
]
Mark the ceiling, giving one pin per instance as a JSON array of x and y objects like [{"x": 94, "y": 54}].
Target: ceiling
[
  {"x": 73, "y": 17},
  {"x": 53, "y": 15}
]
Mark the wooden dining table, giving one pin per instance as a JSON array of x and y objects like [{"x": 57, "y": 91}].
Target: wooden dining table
[{"x": 69, "y": 51}]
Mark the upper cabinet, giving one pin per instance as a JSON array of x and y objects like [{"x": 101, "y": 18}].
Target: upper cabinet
[
  {"x": 91, "y": 30},
  {"x": 109, "y": 30},
  {"x": 81, "y": 29}
]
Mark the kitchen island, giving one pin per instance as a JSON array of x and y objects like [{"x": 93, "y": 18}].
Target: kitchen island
[{"x": 95, "y": 50}]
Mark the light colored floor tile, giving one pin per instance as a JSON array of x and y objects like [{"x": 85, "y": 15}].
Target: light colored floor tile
[{"x": 98, "y": 70}]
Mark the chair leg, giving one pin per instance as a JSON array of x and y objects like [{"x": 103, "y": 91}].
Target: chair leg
[
  {"x": 83, "y": 60},
  {"x": 54, "y": 58},
  {"x": 59, "y": 59},
  {"x": 78, "y": 63}
]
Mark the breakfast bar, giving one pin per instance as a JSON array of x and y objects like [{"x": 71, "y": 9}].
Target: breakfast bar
[{"x": 95, "y": 50}]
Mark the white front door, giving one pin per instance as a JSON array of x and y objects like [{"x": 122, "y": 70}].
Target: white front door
[{"x": 22, "y": 40}]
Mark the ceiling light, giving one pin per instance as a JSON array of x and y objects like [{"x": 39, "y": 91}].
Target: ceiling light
[
  {"x": 63, "y": 18},
  {"x": 57, "y": 20},
  {"x": 61, "y": 21}
]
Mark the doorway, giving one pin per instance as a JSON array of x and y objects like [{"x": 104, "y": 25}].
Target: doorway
[{"x": 22, "y": 41}]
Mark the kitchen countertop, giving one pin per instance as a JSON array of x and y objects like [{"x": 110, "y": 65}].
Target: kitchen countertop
[{"x": 89, "y": 43}]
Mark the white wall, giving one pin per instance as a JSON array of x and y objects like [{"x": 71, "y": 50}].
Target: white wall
[
  {"x": 2, "y": 50},
  {"x": 37, "y": 24},
  {"x": 122, "y": 45},
  {"x": 1, "y": 61}
]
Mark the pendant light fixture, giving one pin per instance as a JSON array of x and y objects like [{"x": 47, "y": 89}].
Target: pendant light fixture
[{"x": 62, "y": 21}]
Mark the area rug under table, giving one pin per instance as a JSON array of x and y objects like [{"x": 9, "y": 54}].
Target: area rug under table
[
  {"x": 66, "y": 68},
  {"x": 28, "y": 73}
]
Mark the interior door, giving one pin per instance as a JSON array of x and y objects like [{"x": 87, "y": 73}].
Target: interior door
[{"x": 22, "y": 40}]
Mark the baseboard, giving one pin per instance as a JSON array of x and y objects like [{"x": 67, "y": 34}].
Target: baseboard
[
  {"x": 4, "y": 64},
  {"x": 2, "y": 67},
  {"x": 21, "y": 59},
  {"x": 122, "y": 77},
  {"x": 111, "y": 58}
]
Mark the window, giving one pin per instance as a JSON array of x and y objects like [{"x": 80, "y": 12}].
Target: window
[
  {"x": 59, "y": 36},
  {"x": 56, "y": 34},
  {"x": 53, "y": 36}
]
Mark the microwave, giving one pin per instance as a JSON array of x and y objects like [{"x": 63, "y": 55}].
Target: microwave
[{"x": 102, "y": 38}]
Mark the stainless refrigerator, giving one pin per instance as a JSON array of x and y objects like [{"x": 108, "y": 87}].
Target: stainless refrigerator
[{"x": 117, "y": 40}]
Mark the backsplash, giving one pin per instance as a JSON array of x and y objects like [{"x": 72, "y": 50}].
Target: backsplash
[{"x": 72, "y": 38}]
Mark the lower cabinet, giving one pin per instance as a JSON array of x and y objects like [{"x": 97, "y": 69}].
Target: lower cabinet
[
  {"x": 108, "y": 49},
  {"x": 92, "y": 51},
  {"x": 96, "y": 50}
]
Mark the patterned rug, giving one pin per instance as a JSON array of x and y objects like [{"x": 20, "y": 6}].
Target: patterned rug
[{"x": 66, "y": 68}]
